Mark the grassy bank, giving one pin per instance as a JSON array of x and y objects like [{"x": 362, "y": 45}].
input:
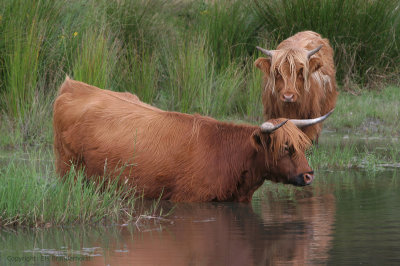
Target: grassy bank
[
  {"x": 31, "y": 194},
  {"x": 363, "y": 132}
]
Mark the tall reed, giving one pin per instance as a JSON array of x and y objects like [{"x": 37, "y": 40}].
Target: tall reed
[
  {"x": 95, "y": 59},
  {"x": 142, "y": 73},
  {"x": 23, "y": 37},
  {"x": 194, "y": 84},
  {"x": 230, "y": 29},
  {"x": 223, "y": 95},
  {"x": 141, "y": 24},
  {"x": 190, "y": 70},
  {"x": 252, "y": 92}
]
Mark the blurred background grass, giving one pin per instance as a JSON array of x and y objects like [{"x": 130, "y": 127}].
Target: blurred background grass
[{"x": 188, "y": 56}]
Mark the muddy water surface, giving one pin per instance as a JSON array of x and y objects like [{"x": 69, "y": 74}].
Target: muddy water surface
[{"x": 348, "y": 217}]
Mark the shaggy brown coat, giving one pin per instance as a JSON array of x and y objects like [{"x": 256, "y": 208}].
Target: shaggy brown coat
[
  {"x": 297, "y": 87},
  {"x": 183, "y": 157}
]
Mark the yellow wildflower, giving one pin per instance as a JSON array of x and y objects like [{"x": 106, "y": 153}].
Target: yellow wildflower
[{"x": 75, "y": 34}]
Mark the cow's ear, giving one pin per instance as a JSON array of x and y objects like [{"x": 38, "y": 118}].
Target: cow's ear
[
  {"x": 263, "y": 64},
  {"x": 259, "y": 140},
  {"x": 315, "y": 63}
]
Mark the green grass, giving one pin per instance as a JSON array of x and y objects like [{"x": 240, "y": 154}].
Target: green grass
[
  {"x": 34, "y": 129},
  {"x": 22, "y": 46},
  {"x": 189, "y": 70},
  {"x": 96, "y": 58},
  {"x": 194, "y": 84},
  {"x": 143, "y": 75},
  {"x": 363, "y": 132},
  {"x": 32, "y": 195},
  {"x": 252, "y": 94},
  {"x": 370, "y": 112},
  {"x": 230, "y": 28},
  {"x": 338, "y": 156}
]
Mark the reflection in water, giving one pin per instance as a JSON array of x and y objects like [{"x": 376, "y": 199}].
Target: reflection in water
[
  {"x": 308, "y": 228},
  {"x": 345, "y": 218},
  {"x": 201, "y": 234},
  {"x": 229, "y": 234}
]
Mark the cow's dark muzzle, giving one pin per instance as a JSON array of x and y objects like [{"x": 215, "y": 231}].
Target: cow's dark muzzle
[{"x": 303, "y": 179}]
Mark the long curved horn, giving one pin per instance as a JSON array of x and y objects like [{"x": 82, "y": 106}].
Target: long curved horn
[
  {"x": 265, "y": 51},
  {"x": 310, "y": 53},
  {"x": 268, "y": 127},
  {"x": 309, "y": 122}
]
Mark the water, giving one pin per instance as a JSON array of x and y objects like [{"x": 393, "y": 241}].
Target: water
[{"x": 348, "y": 217}]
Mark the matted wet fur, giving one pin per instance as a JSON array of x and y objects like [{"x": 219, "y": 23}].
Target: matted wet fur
[
  {"x": 179, "y": 156},
  {"x": 311, "y": 81}
]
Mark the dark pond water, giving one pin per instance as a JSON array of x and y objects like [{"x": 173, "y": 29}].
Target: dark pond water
[{"x": 346, "y": 218}]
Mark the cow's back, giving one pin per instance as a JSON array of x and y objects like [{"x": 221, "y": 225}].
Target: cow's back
[{"x": 74, "y": 114}]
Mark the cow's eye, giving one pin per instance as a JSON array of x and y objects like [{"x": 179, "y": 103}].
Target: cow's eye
[
  {"x": 287, "y": 148},
  {"x": 300, "y": 74}
]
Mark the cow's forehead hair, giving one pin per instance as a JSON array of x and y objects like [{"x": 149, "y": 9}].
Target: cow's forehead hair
[
  {"x": 292, "y": 58},
  {"x": 287, "y": 135},
  {"x": 289, "y": 58}
]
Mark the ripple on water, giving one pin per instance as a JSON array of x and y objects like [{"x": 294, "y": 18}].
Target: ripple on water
[{"x": 65, "y": 252}]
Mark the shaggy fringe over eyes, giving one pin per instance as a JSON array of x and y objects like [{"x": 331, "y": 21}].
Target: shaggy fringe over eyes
[
  {"x": 288, "y": 135},
  {"x": 279, "y": 60}
]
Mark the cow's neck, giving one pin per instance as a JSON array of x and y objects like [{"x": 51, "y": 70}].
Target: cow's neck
[{"x": 243, "y": 170}]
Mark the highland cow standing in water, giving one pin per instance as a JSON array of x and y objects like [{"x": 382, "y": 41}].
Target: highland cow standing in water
[
  {"x": 299, "y": 79},
  {"x": 179, "y": 156}
]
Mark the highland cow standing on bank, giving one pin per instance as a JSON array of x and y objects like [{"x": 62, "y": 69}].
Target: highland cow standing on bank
[{"x": 299, "y": 79}]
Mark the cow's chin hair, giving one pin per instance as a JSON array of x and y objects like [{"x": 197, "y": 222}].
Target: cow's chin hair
[
  {"x": 275, "y": 179},
  {"x": 297, "y": 181},
  {"x": 291, "y": 103}
]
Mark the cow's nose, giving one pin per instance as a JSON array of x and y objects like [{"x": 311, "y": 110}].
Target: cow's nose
[
  {"x": 308, "y": 178},
  {"x": 288, "y": 97}
]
